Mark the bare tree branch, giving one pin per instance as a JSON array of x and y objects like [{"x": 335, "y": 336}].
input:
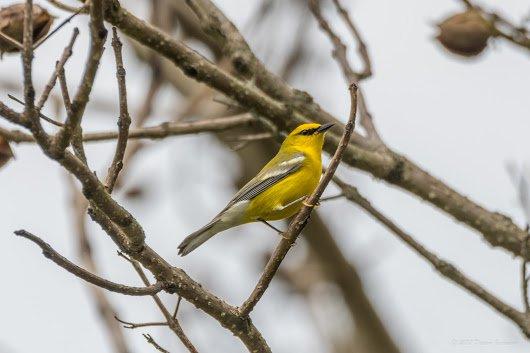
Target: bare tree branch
[
  {"x": 59, "y": 66},
  {"x": 251, "y": 88},
  {"x": 340, "y": 55},
  {"x": 53, "y": 255},
  {"x": 298, "y": 223},
  {"x": 42, "y": 116},
  {"x": 64, "y": 7},
  {"x": 153, "y": 342},
  {"x": 27, "y": 59},
  {"x": 524, "y": 278},
  {"x": 171, "y": 320},
  {"x": 361, "y": 46},
  {"x": 56, "y": 29},
  {"x": 12, "y": 41},
  {"x": 370, "y": 334},
  {"x": 12, "y": 116},
  {"x": 155, "y": 132},
  {"x": 132, "y": 325},
  {"x": 501, "y": 27},
  {"x": 385, "y": 164},
  {"x": 124, "y": 120},
  {"x": 102, "y": 303},
  {"x": 443, "y": 267},
  {"x": 98, "y": 33}
]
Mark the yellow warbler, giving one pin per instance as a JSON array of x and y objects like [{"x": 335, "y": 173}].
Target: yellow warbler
[{"x": 277, "y": 191}]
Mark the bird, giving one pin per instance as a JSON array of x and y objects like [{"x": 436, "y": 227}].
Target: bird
[{"x": 278, "y": 190}]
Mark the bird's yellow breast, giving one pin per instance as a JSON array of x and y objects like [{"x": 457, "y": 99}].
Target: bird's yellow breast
[{"x": 285, "y": 198}]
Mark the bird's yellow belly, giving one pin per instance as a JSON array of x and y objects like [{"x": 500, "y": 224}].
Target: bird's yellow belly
[{"x": 284, "y": 199}]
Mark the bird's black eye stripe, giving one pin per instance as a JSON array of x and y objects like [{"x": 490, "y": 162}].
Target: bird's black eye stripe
[{"x": 307, "y": 132}]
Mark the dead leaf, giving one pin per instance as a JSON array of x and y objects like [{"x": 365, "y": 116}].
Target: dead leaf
[
  {"x": 5, "y": 152},
  {"x": 12, "y": 24}
]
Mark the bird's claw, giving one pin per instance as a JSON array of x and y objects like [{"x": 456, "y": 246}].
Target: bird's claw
[
  {"x": 305, "y": 203},
  {"x": 282, "y": 234}
]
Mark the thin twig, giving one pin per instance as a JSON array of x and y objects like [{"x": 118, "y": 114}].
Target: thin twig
[
  {"x": 105, "y": 308},
  {"x": 144, "y": 112},
  {"x": 361, "y": 45},
  {"x": 132, "y": 325},
  {"x": 54, "y": 256},
  {"x": 502, "y": 27},
  {"x": 64, "y": 90},
  {"x": 12, "y": 116},
  {"x": 340, "y": 55},
  {"x": 124, "y": 120},
  {"x": 154, "y": 132},
  {"x": 177, "y": 307},
  {"x": 334, "y": 197},
  {"x": 98, "y": 34},
  {"x": 12, "y": 41},
  {"x": 298, "y": 223},
  {"x": 42, "y": 116},
  {"x": 340, "y": 49},
  {"x": 443, "y": 267},
  {"x": 152, "y": 341},
  {"x": 43, "y": 39},
  {"x": 27, "y": 59},
  {"x": 367, "y": 122},
  {"x": 64, "y": 7},
  {"x": 251, "y": 137},
  {"x": 59, "y": 66},
  {"x": 77, "y": 137},
  {"x": 172, "y": 322},
  {"x": 524, "y": 277}
]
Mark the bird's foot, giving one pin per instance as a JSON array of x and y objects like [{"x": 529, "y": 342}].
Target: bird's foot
[
  {"x": 282, "y": 234},
  {"x": 305, "y": 203},
  {"x": 271, "y": 226}
]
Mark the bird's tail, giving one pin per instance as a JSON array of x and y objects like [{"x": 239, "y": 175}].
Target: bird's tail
[{"x": 192, "y": 241}]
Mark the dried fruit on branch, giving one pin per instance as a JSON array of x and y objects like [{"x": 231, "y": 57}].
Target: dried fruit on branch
[
  {"x": 465, "y": 33},
  {"x": 12, "y": 24},
  {"x": 5, "y": 151}
]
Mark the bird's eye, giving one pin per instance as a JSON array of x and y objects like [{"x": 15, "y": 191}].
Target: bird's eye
[{"x": 307, "y": 132}]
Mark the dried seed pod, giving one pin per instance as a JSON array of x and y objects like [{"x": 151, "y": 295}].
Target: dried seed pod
[
  {"x": 465, "y": 33},
  {"x": 12, "y": 24},
  {"x": 5, "y": 152}
]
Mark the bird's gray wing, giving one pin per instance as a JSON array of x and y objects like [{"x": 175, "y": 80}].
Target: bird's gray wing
[{"x": 282, "y": 167}]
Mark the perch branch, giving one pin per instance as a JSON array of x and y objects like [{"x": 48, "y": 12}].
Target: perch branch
[
  {"x": 121, "y": 226},
  {"x": 298, "y": 223}
]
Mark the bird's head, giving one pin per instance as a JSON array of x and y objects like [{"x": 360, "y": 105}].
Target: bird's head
[{"x": 307, "y": 136}]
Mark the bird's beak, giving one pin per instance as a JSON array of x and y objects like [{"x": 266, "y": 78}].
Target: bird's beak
[{"x": 324, "y": 128}]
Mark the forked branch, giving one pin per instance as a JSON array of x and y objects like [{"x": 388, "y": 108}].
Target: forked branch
[{"x": 69, "y": 266}]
